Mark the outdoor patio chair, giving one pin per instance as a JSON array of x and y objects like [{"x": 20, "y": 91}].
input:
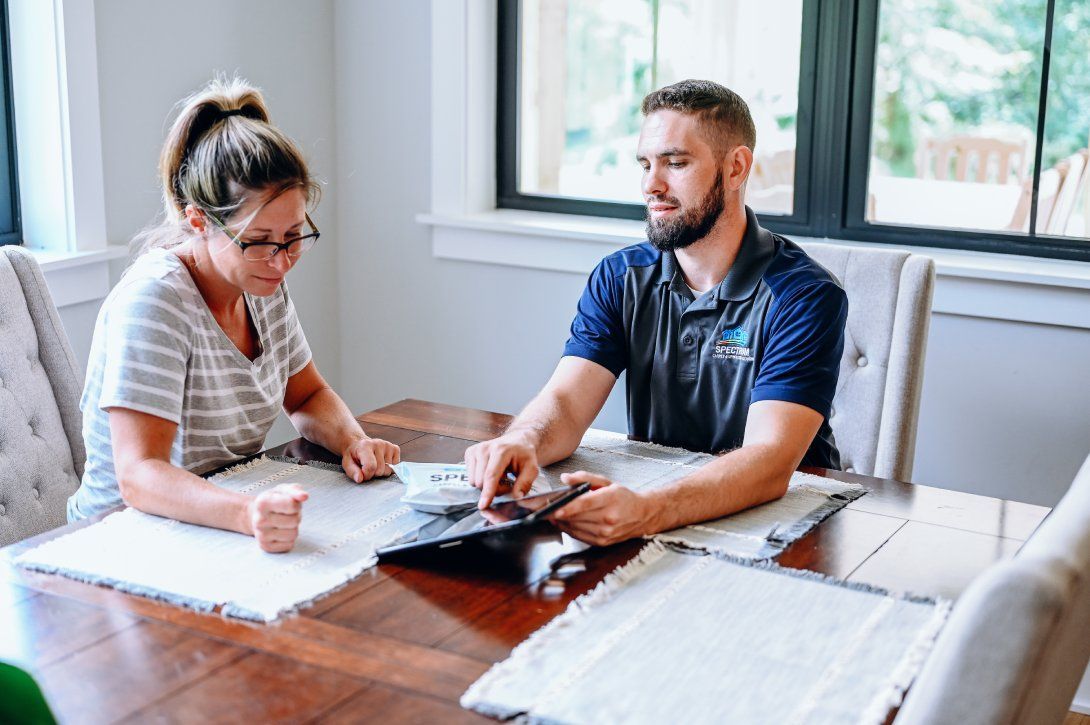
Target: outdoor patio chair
[
  {"x": 975, "y": 154},
  {"x": 1069, "y": 195}
]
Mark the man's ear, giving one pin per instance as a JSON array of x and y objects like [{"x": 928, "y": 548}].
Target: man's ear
[
  {"x": 737, "y": 165},
  {"x": 194, "y": 217}
]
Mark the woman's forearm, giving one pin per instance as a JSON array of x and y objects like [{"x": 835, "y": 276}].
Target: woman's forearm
[
  {"x": 323, "y": 418},
  {"x": 160, "y": 488}
]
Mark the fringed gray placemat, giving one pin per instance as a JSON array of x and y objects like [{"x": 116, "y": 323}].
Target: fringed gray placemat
[
  {"x": 343, "y": 522},
  {"x": 684, "y": 637},
  {"x": 761, "y": 532}
]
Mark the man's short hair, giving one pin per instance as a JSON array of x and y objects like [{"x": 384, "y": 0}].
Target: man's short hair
[{"x": 723, "y": 110}]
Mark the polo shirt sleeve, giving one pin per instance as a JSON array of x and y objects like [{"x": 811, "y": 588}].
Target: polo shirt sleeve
[
  {"x": 597, "y": 332},
  {"x": 805, "y": 341}
]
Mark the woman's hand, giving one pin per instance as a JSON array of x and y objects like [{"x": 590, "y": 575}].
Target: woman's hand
[
  {"x": 366, "y": 458},
  {"x": 275, "y": 515}
]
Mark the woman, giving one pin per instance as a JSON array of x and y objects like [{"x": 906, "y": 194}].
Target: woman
[{"x": 198, "y": 347}]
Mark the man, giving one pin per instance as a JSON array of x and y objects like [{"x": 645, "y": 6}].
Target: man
[{"x": 730, "y": 334}]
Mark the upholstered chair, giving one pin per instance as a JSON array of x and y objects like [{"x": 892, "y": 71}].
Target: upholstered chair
[
  {"x": 1018, "y": 640},
  {"x": 877, "y": 403},
  {"x": 41, "y": 442}
]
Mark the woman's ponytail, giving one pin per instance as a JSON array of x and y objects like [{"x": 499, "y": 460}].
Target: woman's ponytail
[{"x": 221, "y": 148}]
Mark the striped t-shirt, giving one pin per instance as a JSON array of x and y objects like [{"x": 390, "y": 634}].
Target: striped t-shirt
[{"x": 157, "y": 349}]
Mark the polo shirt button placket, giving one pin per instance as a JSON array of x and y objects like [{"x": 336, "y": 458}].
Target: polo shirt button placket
[{"x": 687, "y": 356}]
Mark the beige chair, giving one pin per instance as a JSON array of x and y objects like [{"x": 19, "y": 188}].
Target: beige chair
[
  {"x": 41, "y": 442},
  {"x": 977, "y": 154},
  {"x": 1018, "y": 639},
  {"x": 877, "y": 402}
]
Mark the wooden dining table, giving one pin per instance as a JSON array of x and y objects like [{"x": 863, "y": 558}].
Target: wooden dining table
[{"x": 400, "y": 643}]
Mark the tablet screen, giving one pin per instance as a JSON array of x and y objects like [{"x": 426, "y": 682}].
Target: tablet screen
[{"x": 468, "y": 524}]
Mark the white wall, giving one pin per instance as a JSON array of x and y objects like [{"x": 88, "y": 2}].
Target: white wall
[
  {"x": 1005, "y": 409},
  {"x": 415, "y": 326},
  {"x": 151, "y": 55},
  {"x": 1006, "y": 406}
]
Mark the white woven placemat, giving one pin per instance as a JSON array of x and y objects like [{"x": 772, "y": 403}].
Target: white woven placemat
[
  {"x": 343, "y": 522},
  {"x": 684, "y": 637}
]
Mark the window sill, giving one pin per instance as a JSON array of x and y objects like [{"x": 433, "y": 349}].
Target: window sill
[
  {"x": 77, "y": 277},
  {"x": 975, "y": 284}
]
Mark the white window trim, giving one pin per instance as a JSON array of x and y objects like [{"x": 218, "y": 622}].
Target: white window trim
[
  {"x": 59, "y": 145},
  {"x": 466, "y": 225}
]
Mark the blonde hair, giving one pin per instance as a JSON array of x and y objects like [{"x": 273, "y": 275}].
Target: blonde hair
[{"x": 220, "y": 151}]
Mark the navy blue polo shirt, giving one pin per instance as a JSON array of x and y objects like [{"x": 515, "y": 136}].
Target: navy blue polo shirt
[{"x": 773, "y": 329}]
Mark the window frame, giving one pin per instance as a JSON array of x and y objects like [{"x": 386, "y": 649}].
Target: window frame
[
  {"x": 12, "y": 231},
  {"x": 836, "y": 90}
]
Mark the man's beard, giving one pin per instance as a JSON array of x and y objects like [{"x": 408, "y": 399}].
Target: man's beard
[{"x": 691, "y": 225}]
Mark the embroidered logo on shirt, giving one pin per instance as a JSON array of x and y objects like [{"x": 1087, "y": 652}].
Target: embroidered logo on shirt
[{"x": 733, "y": 345}]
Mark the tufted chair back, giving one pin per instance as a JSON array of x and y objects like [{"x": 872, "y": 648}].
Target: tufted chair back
[
  {"x": 41, "y": 443},
  {"x": 877, "y": 401}
]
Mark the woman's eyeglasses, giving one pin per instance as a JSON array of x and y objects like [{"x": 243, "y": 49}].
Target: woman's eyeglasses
[{"x": 264, "y": 251}]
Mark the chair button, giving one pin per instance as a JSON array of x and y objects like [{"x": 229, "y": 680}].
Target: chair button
[
  {"x": 862, "y": 361},
  {"x": 37, "y": 494},
  {"x": 688, "y": 339},
  {"x": 3, "y": 510}
]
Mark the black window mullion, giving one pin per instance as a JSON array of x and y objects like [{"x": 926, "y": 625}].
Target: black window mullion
[
  {"x": 809, "y": 81},
  {"x": 832, "y": 115},
  {"x": 508, "y": 56},
  {"x": 858, "y": 130},
  {"x": 10, "y": 226},
  {"x": 1042, "y": 109}
]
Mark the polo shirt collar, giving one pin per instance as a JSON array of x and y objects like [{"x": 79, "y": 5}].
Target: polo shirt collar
[{"x": 754, "y": 255}]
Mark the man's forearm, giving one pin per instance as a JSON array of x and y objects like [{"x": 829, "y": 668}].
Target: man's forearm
[
  {"x": 738, "y": 480},
  {"x": 548, "y": 424}
]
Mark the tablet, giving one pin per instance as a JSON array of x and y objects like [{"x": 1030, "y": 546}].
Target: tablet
[{"x": 453, "y": 529}]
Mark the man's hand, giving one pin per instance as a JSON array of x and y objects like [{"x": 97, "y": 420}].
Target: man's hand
[
  {"x": 366, "y": 458},
  {"x": 487, "y": 464},
  {"x": 274, "y": 517},
  {"x": 606, "y": 514}
]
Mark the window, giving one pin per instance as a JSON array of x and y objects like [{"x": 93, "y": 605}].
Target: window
[
  {"x": 582, "y": 69},
  {"x": 875, "y": 121},
  {"x": 10, "y": 232}
]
